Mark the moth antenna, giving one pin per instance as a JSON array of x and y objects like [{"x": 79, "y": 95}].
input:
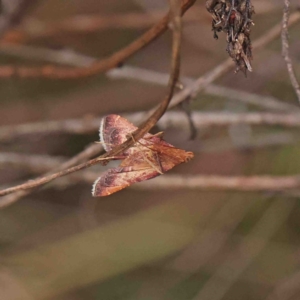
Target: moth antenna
[
  {"x": 158, "y": 134},
  {"x": 111, "y": 158}
]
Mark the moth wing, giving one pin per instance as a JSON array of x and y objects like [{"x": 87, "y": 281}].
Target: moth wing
[
  {"x": 114, "y": 130},
  {"x": 169, "y": 156},
  {"x": 119, "y": 178}
]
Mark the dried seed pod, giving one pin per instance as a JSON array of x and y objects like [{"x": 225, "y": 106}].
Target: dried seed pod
[{"x": 234, "y": 18}]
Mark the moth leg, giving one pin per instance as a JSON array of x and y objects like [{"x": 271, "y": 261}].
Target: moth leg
[
  {"x": 158, "y": 134},
  {"x": 111, "y": 158},
  {"x": 158, "y": 167}
]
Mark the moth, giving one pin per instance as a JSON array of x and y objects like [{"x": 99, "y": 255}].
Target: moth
[{"x": 149, "y": 157}]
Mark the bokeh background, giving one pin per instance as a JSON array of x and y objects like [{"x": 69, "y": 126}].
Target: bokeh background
[{"x": 148, "y": 244}]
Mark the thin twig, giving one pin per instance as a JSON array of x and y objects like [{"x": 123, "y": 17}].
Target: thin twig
[
  {"x": 228, "y": 118},
  {"x": 266, "y": 102},
  {"x": 193, "y": 89},
  {"x": 256, "y": 141},
  {"x": 285, "y": 48},
  {"x": 200, "y": 182},
  {"x": 172, "y": 118},
  {"x": 71, "y": 126},
  {"x": 32, "y": 163},
  {"x": 33, "y": 28},
  {"x": 44, "y": 163},
  {"x": 91, "y": 151},
  {"x": 142, "y": 130},
  {"x": 239, "y": 183},
  {"x": 69, "y": 57},
  {"x": 159, "y": 78},
  {"x": 174, "y": 75},
  {"x": 100, "y": 66},
  {"x": 45, "y": 179},
  {"x": 204, "y": 80},
  {"x": 66, "y": 57}
]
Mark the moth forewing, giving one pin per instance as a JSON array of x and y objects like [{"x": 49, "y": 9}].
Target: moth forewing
[
  {"x": 119, "y": 178},
  {"x": 114, "y": 131}
]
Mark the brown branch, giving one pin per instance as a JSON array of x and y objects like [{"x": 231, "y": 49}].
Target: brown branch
[
  {"x": 200, "y": 182},
  {"x": 193, "y": 89},
  {"x": 90, "y": 151},
  {"x": 45, "y": 179},
  {"x": 71, "y": 58},
  {"x": 142, "y": 130},
  {"x": 239, "y": 183},
  {"x": 273, "y": 33},
  {"x": 159, "y": 78},
  {"x": 227, "y": 118},
  {"x": 82, "y": 24},
  {"x": 257, "y": 141},
  {"x": 99, "y": 66},
  {"x": 44, "y": 163},
  {"x": 267, "y": 102},
  {"x": 64, "y": 56},
  {"x": 285, "y": 48},
  {"x": 174, "y": 75},
  {"x": 79, "y": 24},
  {"x": 71, "y": 126},
  {"x": 205, "y": 80}
]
